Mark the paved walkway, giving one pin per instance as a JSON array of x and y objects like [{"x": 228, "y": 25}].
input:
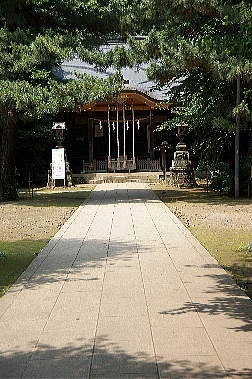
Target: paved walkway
[{"x": 124, "y": 290}]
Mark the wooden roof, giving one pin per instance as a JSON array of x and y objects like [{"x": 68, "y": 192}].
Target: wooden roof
[{"x": 126, "y": 99}]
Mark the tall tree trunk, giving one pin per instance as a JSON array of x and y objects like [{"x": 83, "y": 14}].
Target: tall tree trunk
[
  {"x": 8, "y": 190},
  {"x": 237, "y": 140}
]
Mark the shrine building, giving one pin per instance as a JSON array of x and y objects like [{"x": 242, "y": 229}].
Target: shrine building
[{"x": 119, "y": 134}]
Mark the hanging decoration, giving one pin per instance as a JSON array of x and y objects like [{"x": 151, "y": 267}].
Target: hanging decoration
[
  {"x": 127, "y": 124},
  {"x": 98, "y": 131},
  {"x": 100, "y": 123},
  {"x": 113, "y": 126},
  {"x": 138, "y": 124}
]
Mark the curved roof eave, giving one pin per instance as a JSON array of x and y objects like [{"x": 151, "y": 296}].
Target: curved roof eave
[{"x": 127, "y": 98}]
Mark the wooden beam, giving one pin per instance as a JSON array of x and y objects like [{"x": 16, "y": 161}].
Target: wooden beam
[{"x": 137, "y": 107}]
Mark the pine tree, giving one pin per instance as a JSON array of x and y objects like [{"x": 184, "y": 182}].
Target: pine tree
[
  {"x": 35, "y": 36},
  {"x": 209, "y": 39}
]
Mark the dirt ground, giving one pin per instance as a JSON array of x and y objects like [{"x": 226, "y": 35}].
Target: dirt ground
[
  {"x": 196, "y": 207},
  {"x": 38, "y": 218}
]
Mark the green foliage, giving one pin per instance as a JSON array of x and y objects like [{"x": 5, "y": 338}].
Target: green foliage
[
  {"x": 79, "y": 180},
  {"x": 245, "y": 173},
  {"x": 222, "y": 178},
  {"x": 210, "y": 35},
  {"x": 206, "y": 109},
  {"x": 36, "y": 36},
  {"x": 35, "y": 100},
  {"x": 206, "y": 42},
  {"x": 198, "y": 49}
]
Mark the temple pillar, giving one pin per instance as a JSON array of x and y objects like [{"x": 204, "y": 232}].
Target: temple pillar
[
  {"x": 150, "y": 138},
  {"x": 90, "y": 140},
  {"x": 133, "y": 137}
]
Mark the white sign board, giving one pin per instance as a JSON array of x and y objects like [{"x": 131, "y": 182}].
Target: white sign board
[{"x": 58, "y": 164}]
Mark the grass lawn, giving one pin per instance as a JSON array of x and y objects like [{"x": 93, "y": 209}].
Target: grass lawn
[
  {"x": 223, "y": 225},
  {"x": 230, "y": 249},
  {"x": 27, "y": 225},
  {"x": 16, "y": 256}
]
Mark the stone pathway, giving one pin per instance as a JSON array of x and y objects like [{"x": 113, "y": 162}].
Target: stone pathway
[{"x": 124, "y": 290}]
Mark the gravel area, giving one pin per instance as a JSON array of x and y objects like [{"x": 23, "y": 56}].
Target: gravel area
[
  {"x": 40, "y": 217},
  {"x": 197, "y": 208}
]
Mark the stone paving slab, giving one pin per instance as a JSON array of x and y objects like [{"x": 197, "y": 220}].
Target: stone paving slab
[{"x": 123, "y": 290}]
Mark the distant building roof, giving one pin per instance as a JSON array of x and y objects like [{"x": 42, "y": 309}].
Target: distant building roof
[{"x": 135, "y": 78}]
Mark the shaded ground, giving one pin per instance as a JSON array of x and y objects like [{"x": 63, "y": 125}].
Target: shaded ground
[
  {"x": 26, "y": 226},
  {"x": 222, "y": 224}
]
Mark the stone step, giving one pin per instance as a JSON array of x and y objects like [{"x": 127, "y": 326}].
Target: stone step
[
  {"x": 123, "y": 180},
  {"x": 133, "y": 177}
]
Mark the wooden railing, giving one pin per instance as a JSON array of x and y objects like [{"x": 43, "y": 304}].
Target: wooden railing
[
  {"x": 95, "y": 166},
  {"x": 148, "y": 165},
  {"x": 121, "y": 165}
]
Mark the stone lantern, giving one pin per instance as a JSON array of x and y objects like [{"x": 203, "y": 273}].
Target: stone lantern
[{"x": 182, "y": 173}]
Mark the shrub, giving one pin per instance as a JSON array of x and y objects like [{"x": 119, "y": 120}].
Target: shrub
[
  {"x": 79, "y": 180},
  {"x": 222, "y": 178}
]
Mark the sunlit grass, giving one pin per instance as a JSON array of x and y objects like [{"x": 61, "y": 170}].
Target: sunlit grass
[
  {"x": 14, "y": 258},
  {"x": 230, "y": 249}
]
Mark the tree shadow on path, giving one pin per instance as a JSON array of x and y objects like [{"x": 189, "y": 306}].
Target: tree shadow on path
[
  {"x": 79, "y": 358},
  {"x": 222, "y": 297}
]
